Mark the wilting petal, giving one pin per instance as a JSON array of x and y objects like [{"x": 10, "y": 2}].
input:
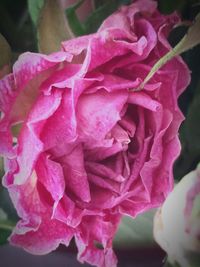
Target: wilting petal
[{"x": 49, "y": 235}]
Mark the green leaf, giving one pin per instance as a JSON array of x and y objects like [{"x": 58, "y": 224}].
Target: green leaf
[
  {"x": 99, "y": 15},
  {"x": 191, "y": 39},
  {"x": 3, "y": 215},
  {"x": 99, "y": 3},
  {"x": 168, "y": 6},
  {"x": 6, "y": 227},
  {"x": 4, "y": 234},
  {"x": 193, "y": 258},
  {"x": 6, "y": 205},
  {"x": 8, "y": 216},
  {"x": 191, "y": 126},
  {"x": 106, "y": 8},
  {"x": 136, "y": 232},
  {"x": 5, "y": 52},
  {"x": 167, "y": 264},
  {"x": 1, "y": 167},
  {"x": 76, "y": 26},
  {"x": 190, "y": 138},
  {"x": 34, "y": 7},
  {"x": 52, "y": 27}
]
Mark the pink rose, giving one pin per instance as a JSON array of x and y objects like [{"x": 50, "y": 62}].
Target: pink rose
[{"x": 91, "y": 149}]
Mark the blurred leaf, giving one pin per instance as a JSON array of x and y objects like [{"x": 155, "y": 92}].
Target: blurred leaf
[
  {"x": 34, "y": 7},
  {"x": 106, "y": 8},
  {"x": 16, "y": 25},
  {"x": 5, "y": 51},
  {"x": 168, "y": 6},
  {"x": 8, "y": 216},
  {"x": 1, "y": 166},
  {"x": 92, "y": 22},
  {"x": 5, "y": 227},
  {"x": 99, "y": 3},
  {"x": 7, "y": 26},
  {"x": 4, "y": 234},
  {"x": 191, "y": 126},
  {"x": 136, "y": 232},
  {"x": 167, "y": 264},
  {"x": 190, "y": 136},
  {"x": 76, "y": 26},
  {"x": 191, "y": 39},
  {"x": 99, "y": 15},
  {"x": 193, "y": 258},
  {"x": 52, "y": 27},
  {"x": 6, "y": 205},
  {"x": 3, "y": 215}
]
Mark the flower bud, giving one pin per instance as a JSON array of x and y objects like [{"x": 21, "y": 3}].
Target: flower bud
[{"x": 177, "y": 223}]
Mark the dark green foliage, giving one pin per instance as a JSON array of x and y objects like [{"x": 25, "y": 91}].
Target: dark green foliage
[
  {"x": 76, "y": 26},
  {"x": 102, "y": 10},
  {"x": 169, "y": 6},
  {"x": 4, "y": 234}
]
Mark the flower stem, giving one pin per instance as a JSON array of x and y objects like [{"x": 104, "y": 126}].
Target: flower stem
[{"x": 5, "y": 226}]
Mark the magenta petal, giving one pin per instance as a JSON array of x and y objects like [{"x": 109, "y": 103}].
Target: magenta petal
[
  {"x": 49, "y": 235},
  {"x": 31, "y": 64},
  {"x": 27, "y": 203},
  {"x": 97, "y": 257},
  {"x": 99, "y": 230},
  {"x": 50, "y": 174},
  {"x": 6, "y": 144},
  {"x": 143, "y": 100},
  {"x": 77, "y": 45},
  {"x": 67, "y": 212},
  {"x": 7, "y": 98},
  {"x": 36, "y": 232},
  {"x": 103, "y": 171},
  {"x": 114, "y": 83},
  {"x": 61, "y": 126},
  {"x": 95, "y": 122},
  {"x": 30, "y": 146},
  {"x": 75, "y": 174}
]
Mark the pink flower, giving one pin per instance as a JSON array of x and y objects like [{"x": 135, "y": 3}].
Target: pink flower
[{"x": 91, "y": 149}]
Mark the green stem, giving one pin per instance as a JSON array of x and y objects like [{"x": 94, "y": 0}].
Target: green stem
[
  {"x": 178, "y": 49},
  {"x": 191, "y": 39},
  {"x": 5, "y": 226}
]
